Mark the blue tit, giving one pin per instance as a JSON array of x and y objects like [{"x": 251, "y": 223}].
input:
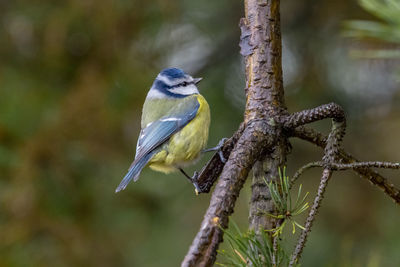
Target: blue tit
[{"x": 174, "y": 126}]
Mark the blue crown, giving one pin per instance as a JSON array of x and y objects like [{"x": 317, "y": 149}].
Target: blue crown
[{"x": 173, "y": 73}]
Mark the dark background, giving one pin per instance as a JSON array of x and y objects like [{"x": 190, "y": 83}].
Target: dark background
[{"x": 73, "y": 77}]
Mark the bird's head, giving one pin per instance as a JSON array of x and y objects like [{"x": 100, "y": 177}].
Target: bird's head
[{"x": 173, "y": 83}]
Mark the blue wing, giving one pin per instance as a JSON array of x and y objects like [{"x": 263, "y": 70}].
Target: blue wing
[{"x": 156, "y": 134}]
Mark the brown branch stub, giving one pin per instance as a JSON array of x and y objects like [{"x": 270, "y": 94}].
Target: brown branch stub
[{"x": 211, "y": 171}]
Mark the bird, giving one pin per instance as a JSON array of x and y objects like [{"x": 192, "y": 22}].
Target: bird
[{"x": 174, "y": 126}]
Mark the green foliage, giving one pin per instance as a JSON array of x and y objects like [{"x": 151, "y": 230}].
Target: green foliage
[
  {"x": 257, "y": 249},
  {"x": 387, "y": 30},
  {"x": 286, "y": 208},
  {"x": 251, "y": 249}
]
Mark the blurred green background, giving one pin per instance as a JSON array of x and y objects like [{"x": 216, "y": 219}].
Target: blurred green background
[{"x": 73, "y": 77}]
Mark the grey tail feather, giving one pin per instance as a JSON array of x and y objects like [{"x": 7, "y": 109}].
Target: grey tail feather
[{"x": 134, "y": 171}]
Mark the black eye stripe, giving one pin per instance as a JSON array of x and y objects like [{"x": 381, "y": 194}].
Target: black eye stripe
[
  {"x": 181, "y": 84},
  {"x": 185, "y": 83},
  {"x": 161, "y": 84}
]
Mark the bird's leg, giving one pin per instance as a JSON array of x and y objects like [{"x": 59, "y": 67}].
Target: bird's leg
[
  {"x": 218, "y": 148},
  {"x": 193, "y": 180}
]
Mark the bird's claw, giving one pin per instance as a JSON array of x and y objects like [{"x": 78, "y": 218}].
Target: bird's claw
[
  {"x": 197, "y": 189},
  {"x": 218, "y": 148},
  {"x": 221, "y": 156}
]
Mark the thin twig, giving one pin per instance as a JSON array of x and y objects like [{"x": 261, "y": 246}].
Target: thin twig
[
  {"x": 326, "y": 174},
  {"x": 274, "y": 250},
  {"x": 370, "y": 164},
  {"x": 331, "y": 153},
  {"x": 375, "y": 178},
  {"x": 300, "y": 171},
  {"x": 342, "y": 166}
]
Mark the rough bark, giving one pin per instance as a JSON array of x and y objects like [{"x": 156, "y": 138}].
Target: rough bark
[
  {"x": 248, "y": 149},
  {"x": 211, "y": 171},
  {"x": 262, "y": 140},
  {"x": 262, "y": 48}
]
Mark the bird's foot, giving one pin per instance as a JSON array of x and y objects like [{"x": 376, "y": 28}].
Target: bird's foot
[
  {"x": 218, "y": 148},
  {"x": 197, "y": 189},
  {"x": 193, "y": 180}
]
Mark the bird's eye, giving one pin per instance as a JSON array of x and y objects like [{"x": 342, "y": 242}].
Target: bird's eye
[{"x": 184, "y": 83}]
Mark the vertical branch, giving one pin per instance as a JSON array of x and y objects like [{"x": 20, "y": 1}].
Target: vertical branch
[
  {"x": 262, "y": 48},
  {"x": 326, "y": 174},
  {"x": 331, "y": 154},
  {"x": 262, "y": 138},
  {"x": 250, "y": 145}
]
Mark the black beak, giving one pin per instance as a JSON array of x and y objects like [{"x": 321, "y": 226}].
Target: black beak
[{"x": 197, "y": 80}]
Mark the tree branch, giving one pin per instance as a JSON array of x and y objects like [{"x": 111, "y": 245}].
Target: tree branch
[
  {"x": 300, "y": 171},
  {"x": 262, "y": 138},
  {"x": 326, "y": 174},
  {"x": 331, "y": 153},
  {"x": 375, "y": 178},
  {"x": 211, "y": 171},
  {"x": 261, "y": 46},
  {"x": 331, "y": 110},
  {"x": 252, "y": 143},
  {"x": 369, "y": 164}
]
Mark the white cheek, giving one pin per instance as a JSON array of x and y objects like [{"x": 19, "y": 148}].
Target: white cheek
[
  {"x": 154, "y": 93},
  {"x": 185, "y": 90}
]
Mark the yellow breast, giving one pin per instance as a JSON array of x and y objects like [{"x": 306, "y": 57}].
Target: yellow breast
[{"x": 184, "y": 147}]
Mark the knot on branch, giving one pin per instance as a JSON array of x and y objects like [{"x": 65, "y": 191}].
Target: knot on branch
[
  {"x": 259, "y": 134},
  {"x": 264, "y": 132},
  {"x": 262, "y": 126}
]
